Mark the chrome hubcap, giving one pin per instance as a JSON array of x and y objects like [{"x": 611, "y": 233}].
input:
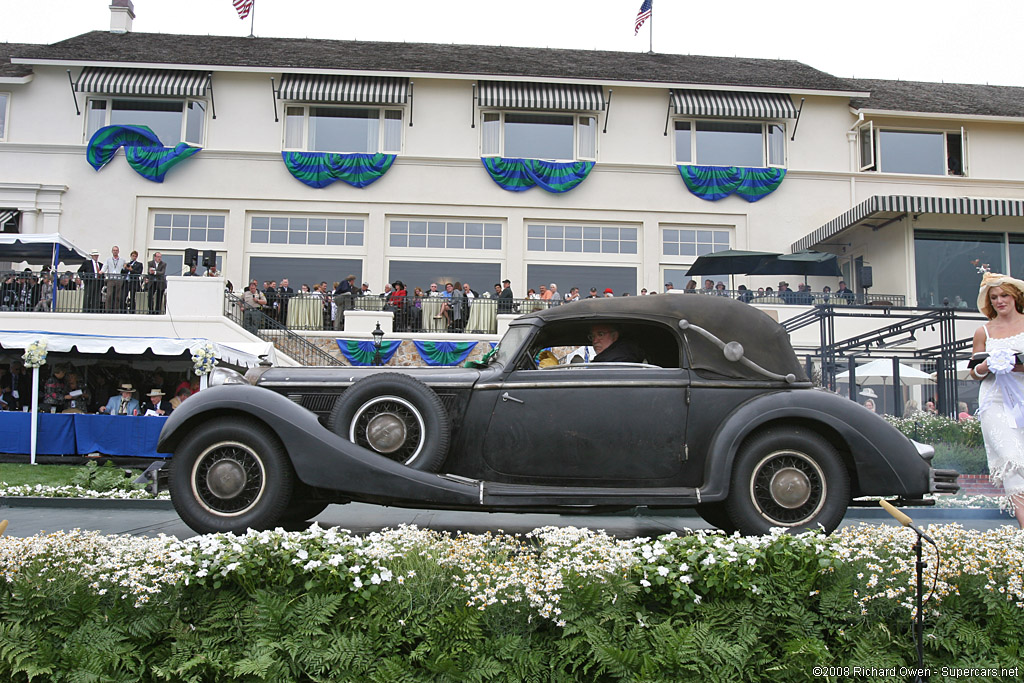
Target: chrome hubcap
[
  {"x": 386, "y": 432},
  {"x": 226, "y": 479},
  {"x": 391, "y": 426},
  {"x": 790, "y": 488}
]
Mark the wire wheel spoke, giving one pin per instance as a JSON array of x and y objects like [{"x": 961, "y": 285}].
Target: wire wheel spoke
[
  {"x": 390, "y": 426},
  {"x": 788, "y": 488},
  {"x": 228, "y": 478}
]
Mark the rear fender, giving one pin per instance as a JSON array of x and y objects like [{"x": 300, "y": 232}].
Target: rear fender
[
  {"x": 320, "y": 457},
  {"x": 882, "y": 460}
]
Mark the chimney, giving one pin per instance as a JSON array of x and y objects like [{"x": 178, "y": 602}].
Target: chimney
[{"x": 121, "y": 14}]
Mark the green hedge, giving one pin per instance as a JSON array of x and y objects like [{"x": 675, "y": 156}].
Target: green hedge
[
  {"x": 553, "y": 605},
  {"x": 933, "y": 429}
]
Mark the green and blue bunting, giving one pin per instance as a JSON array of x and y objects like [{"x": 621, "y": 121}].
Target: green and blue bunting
[
  {"x": 444, "y": 353},
  {"x": 142, "y": 148},
  {"x": 716, "y": 182},
  {"x": 359, "y": 352},
  {"x": 517, "y": 175},
  {"x": 320, "y": 169}
]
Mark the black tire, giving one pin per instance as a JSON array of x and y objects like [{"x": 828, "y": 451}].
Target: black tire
[
  {"x": 717, "y": 516},
  {"x": 791, "y": 478},
  {"x": 230, "y": 475},
  {"x": 396, "y": 416}
]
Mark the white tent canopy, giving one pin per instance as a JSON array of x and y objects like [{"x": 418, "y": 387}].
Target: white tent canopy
[
  {"x": 243, "y": 354},
  {"x": 39, "y": 249},
  {"x": 882, "y": 369}
]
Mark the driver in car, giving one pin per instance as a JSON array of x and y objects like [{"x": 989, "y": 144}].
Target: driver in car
[{"x": 610, "y": 349}]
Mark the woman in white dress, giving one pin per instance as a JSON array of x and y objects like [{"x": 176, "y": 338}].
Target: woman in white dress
[{"x": 1001, "y": 395}]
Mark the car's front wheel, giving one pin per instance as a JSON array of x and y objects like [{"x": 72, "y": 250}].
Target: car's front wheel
[
  {"x": 396, "y": 416},
  {"x": 788, "y": 477},
  {"x": 231, "y": 474}
]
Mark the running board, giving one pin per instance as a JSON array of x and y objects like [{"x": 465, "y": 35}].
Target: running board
[{"x": 528, "y": 495}]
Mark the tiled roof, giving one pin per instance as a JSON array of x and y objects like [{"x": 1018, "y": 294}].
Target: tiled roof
[
  {"x": 503, "y": 62},
  {"x": 940, "y": 98},
  {"x": 8, "y": 70}
]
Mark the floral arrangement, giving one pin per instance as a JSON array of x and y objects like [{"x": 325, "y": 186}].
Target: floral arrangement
[
  {"x": 35, "y": 354},
  {"x": 204, "y": 359},
  {"x": 1002, "y": 361}
]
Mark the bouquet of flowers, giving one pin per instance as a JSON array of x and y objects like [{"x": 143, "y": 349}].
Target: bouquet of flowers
[
  {"x": 204, "y": 359},
  {"x": 35, "y": 355}
]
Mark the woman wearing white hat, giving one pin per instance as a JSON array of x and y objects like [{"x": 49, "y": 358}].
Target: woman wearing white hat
[{"x": 1001, "y": 299}]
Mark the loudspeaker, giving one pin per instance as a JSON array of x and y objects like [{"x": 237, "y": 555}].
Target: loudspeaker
[
  {"x": 864, "y": 277},
  {"x": 209, "y": 258},
  {"x": 191, "y": 257}
]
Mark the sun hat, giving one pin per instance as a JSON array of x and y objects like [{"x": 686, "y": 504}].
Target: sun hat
[
  {"x": 990, "y": 280},
  {"x": 868, "y": 393},
  {"x": 154, "y": 392},
  {"x": 94, "y": 252},
  {"x": 127, "y": 387}
]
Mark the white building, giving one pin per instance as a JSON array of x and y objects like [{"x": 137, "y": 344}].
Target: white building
[{"x": 916, "y": 180}]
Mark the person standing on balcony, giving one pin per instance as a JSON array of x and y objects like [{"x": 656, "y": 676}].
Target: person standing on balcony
[
  {"x": 506, "y": 300},
  {"x": 157, "y": 269},
  {"x": 112, "y": 273},
  {"x": 845, "y": 292},
  {"x": 133, "y": 271},
  {"x": 252, "y": 301},
  {"x": 92, "y": 280},
  {"x": 344, "y": 297}
]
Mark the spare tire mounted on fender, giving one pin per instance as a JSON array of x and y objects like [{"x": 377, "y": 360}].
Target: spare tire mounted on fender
[{"x": 396, "y": 416}]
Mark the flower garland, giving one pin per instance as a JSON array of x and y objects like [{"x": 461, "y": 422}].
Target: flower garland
[
  {"x": 204, "y": 359},
  {"x": 35, "y": 354}
]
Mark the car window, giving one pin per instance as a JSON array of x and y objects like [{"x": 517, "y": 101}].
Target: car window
[{"x": 559, "y": 343}]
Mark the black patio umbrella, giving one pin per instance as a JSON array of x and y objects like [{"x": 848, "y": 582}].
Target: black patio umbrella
[
  {"x": 730, "y": 262},
  {"x": 804, "y": 263}
]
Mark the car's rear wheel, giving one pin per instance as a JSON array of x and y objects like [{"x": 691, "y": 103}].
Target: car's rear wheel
[
  {"x": 790, "y": 478},
  {"x": 395, "y": 416},
  {"x": 231, "y": 474}
]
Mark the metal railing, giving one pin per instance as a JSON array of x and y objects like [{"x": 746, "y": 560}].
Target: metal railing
[
  {"x": 266, "y": 327},
  {"x": 805, "y": 298},
  {"x": 29, "y": 291}
]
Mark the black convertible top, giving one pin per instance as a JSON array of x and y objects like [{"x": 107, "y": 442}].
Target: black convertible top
[{"x": 764, "y": 341}]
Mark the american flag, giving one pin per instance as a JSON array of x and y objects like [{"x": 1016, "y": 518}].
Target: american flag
[
  {"x": 243, "y": 7},
  {"x": 643, "y": 15}
]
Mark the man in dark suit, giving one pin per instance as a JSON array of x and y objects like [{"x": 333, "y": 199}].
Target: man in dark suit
[
  {"x": 284, "y": 294},
  {"x": 505, "y": 299},
  {"x": 155, "y": 402},
  {"x": 92, "y": 280},
  {"x": 133, "y": 270},
  {"x": 157, "y": 270}
]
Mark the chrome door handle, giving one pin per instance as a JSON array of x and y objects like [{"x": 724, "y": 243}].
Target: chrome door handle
[{"x": 505, "y": 398}]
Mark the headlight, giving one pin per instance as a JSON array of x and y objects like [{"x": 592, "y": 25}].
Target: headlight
[{"x": 225, "y": 376}]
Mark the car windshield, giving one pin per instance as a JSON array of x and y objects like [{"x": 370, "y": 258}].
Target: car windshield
[{"x": 509, "y": 345}]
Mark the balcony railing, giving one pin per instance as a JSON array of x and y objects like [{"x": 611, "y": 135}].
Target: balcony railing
[{"x": 29, "y": 291}]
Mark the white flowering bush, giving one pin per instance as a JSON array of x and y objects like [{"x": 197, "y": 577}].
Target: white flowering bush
[
  {"x": 35, "y": 354},
  {"x": 556, "y": 604},
  {"x": 204, "y": 359}
]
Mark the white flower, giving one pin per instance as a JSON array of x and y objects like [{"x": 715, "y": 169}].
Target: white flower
[
  {"x": 1001, "y": 361},
  {"x": 35, "y": 354},
  {"x": 663, "y": 571},
  {"x": 645, "y": 583}
]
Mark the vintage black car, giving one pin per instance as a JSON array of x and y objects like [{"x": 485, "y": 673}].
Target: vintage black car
[{"x": 720, "y": 416}]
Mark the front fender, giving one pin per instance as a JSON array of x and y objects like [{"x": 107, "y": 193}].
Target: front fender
[
  {"x": 884, "y": 461},
  {"x": 320, "y": 457}
]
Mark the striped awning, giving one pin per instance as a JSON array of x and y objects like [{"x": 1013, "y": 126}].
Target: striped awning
[
  {"x": 6, "y": 215},
  {"x": 109, "y": 81},
  {"x": 548, "y": 96},
  {"x": 727, "y": 104},
  {"x": 874, "y": 207},
  {"x": 344, "y": 89}
]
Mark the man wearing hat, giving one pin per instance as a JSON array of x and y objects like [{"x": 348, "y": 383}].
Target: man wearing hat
[
  {"x": 608, "y": 292},
  {"x": 785, "y": 293},
  {"x": 92, "y": 279},
  {"x": 155, "y": 403},
  {"x": 124, "y": 403},
  {"x": 506, "y": 303}
]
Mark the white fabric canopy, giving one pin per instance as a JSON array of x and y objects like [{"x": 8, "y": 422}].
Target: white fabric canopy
[
  {"x": 245, "y": 354},
  {"x": 882, "y": 369},
  {"x": 38, "y": 248}
]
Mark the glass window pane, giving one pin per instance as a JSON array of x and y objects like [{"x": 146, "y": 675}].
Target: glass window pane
[
  {"x": 474, "y": 242},
  {"x": 620, "y": 279},
  {"x": 912, "y": 152},
  {"x": 179, "y": 234},
  {"x": 554, "y": 244},
  {"x": 162, "y": 220},
  {"x": 163, "y": 118},
  {"x": 683, "y": 144},
  {"x": 97, "y": 116},
  {"x": 456, "y": 228},
  {"x": 317, "y": 238},
  {"x": 435, "y": 241},
  {"x": 536, "y": 230},
  {"x": 492, "y": 229},
  {"x": 670, "y": 249},
  {"x": 336, "y": 239},
  {"x": 343, "y": 130},
  {"x": 435, "y": 228},
  {"x": 260, "y": 236},
  {"x": 729, "y": 144},
  {"x": 297, "y": 224},
  {"x": 294, "y": 119},
  {"x": 278, "y": 223},
  {"x": 355, "y": 225},
  {"x": 215, "y": 235},
  {"x": 535, "y": 244},
  {"x": 456, "y": 241},
  {"x": 335, "y": 225},
  {"x": 776, "y": 145},
  {"x": 610, "y": 234},
  {"x": 197, "y": 234},
  {"x": 573, "y": 232},
  {"x": 198, "y": 220},
  {"x": 1017, "y": 256},
  {"x": 317, "y": 225},
  {"x": 161, "y": 233},
  {"x": 538, "y": 136},
  {"x": 216, "y": 222},
  {"x": 302, "y": 270},
  {"x": 574, "y": 246},
  {"x": 670, "y": 235},
  {"x": 490, "y": 134},
  {"x": 3, "y": 115},
  {"x": 418, "y": 241},
  {"x": 399, "y": 227},
  {"x": 296, "y": 238},
  {"x": 492, "y": 243},
  {"x": 262, "y": 222},
  {"x": 418, "y": 227},
  {"x": 587, "y": 136},
  {"x": 474, "y": 228},
  {"x": 944, "y": 265},
  {"x": 180, "y": 220},
  {"x": 627, "y": 247},
  {"x": 480, "y": 276},
  {"x": 592, "y": 246},
  {"x": 687, "y": 249},
  {"x": 354, "y": 239},
  {"x": 554, "y": 231},
  {"x": 627, "y": 234},
  {"x": 277, "y": 237},
  {"x": 721, "y": 237},
  {"x": 392, "y": 131},
  {"x": 194, "y": 122}
]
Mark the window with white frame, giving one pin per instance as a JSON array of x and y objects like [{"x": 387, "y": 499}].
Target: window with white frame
[
  {"x": 924, "y": 152},
  {"x": 346, "y": 130},
  {"x": 314, "y": 230},
  {"x": 445, "y": 234},
  {"x": 730, "y": 143},
  {"x": 173, "y": 120},
  {"x": 537, "y": 135},
  {"x": 584, "y": 239},
  {"x": 188, "y": 227},
  {"x": 693, "y": 242},
  {"x": 5, "y": 99}
]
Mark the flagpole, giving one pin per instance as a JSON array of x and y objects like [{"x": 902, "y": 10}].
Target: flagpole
[
  {"x": 252, "y": 20},
  {"x": 650, "y": 48}
]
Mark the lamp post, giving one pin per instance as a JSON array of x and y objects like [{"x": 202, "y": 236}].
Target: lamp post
[{"x": 378, "y": 339}]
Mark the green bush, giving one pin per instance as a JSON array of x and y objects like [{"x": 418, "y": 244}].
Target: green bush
[
  {"x": 932, "y": 429},
  {"x": 105, "y": 478},
  {"x": 554, "y": 605},
  {"x": 963, "y": 459}
]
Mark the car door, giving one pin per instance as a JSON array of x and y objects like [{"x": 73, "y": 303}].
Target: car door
[{"x": 605, "y": 424}]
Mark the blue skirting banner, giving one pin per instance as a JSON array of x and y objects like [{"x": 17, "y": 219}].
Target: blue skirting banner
[
  {"x": 716, "y": 182},
  {"x": 517, "y": 175},
  {"x": 142, "y": 148},
  {"x": 320, "y": 169},
  {"x": 362, "y": 352}
]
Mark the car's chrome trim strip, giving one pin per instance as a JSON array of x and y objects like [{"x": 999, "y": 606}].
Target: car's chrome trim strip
[
  {"x": 583, "y": 384},
  {"x": 299, "y": 384}
]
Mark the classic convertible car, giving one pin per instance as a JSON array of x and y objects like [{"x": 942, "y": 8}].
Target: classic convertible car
[{"x": 719, "y": 415}]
